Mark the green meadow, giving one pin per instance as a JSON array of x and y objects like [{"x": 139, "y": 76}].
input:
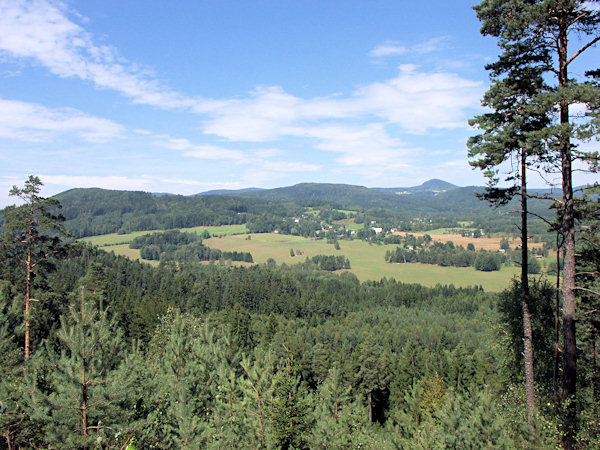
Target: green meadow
[
  {"x": 117, "y": 239},
  {"x": 367, "y": 260}
]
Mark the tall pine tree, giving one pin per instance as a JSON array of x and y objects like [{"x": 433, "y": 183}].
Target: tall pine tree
[
  {"x": 33, "y": 235},
  {"x": 543, "y": 30}
]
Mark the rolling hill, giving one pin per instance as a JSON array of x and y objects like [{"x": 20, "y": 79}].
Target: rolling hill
[{"x": 95, "y": 211}]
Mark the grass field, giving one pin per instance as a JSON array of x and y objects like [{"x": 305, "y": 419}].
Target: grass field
[
  {"x": 367, "y": 261},
  {"x": 132, "y": 253},
  {"x": 117, "y": 239}
]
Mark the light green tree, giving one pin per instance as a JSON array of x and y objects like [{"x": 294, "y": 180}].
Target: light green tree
[
  {"x": 257, "y": 389},
  {"x": 90, "y": 378},
  {"x": 178, "y": 380},
  {"x": 289, "y": 407}
]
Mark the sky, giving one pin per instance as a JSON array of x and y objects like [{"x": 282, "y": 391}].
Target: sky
[{"x": 192, "y": 95}]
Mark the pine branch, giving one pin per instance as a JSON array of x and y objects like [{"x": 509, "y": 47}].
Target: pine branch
[
  {"x": 582, "y": 49},
  {"x": 579, "y": 288}
]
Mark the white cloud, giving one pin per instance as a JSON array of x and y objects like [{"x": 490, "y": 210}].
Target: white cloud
[
  {"x": 289, "y": 166},
  {"x": 394, "y": 48},
  {"x": 263, "y": 158},
  {"x": 435, "y": 44},
  {"x": 40, "y": 30},
  {"x": 263, "y": 116},
  {"x": 415, "y": 101},
  {"x": 389, "y": 48},
  {"x": 200, "y": 151},
  {"x": 32, "y": 122},
  {"x": 419, "y": 101}
]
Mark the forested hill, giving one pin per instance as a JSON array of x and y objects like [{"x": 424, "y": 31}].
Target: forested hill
[
  {"x": 430, "y": 187},
  {"x": 98, "y": 211},
  {"x": 431, "y": 199}
]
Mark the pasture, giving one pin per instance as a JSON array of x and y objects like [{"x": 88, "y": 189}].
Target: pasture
[
  {"x": 367, "y": 260},
  {"x": 118, "y": 239}
]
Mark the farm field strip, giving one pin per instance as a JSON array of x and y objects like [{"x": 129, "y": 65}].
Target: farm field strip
[
  {"x": 117, "y": 239},
  {"x": 481, "y": 243}
]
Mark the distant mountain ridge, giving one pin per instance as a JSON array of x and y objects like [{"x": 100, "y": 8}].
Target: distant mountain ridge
[
  {"x": 432, "y": 186},
  {"x": 92, "y": 211},
  {"x": 290, "y": 193},
  {"x": 233, "y": 192}
]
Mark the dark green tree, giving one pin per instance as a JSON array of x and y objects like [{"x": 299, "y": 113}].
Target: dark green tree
[
  {"x": 17, "y": 428},
  {"x": 511, "y": 135},
  {"x": 542, "y": 31},
  {"x": 588, "y": 285},
  {"x": 372, "y": 373},
  {"x": 33, "y": 236}
]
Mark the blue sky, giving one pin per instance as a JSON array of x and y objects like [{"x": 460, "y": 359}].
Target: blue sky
[{"x": 191, "y": 95}]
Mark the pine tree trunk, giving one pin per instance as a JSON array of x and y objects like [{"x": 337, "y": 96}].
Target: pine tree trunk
[
  {"x": 27, "y": 300},
  {"x": 557, "y": 323},
  {"x": 8, "y": 441},
  {"x": 594, "y": 379},
  {"x": 84, "y": 393},
  {"x": 569, "y": 381},
  {"x": 527, "y": 329},
  {"x": 370, "y": 396}
]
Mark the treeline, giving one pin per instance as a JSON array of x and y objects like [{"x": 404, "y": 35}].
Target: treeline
[
  {"x": 447, "y": 254},
  {"x": 174, "y": 245},
  {"x": 296, "y": 226},
  {"x": 330, "y": 262},
  {"x": 96, "y": 211}
]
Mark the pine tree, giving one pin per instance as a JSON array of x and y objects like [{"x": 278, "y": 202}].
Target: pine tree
[
  {"x": 512, "y": 131},
  {"x": 178, "y": 378},
  {"x": 542, "y": 31},
  {"x": 90, "y": 379},
  {"x": 588, "y": 276},
  {"x": 372, "y": 372},
  {"x": 289, "y": 408},
  {"x": 17, "y": 428},
  {"x": 339, "y": 421},
  {"x": 33, "y": 236},
  {"x": 257, "y": 389}
]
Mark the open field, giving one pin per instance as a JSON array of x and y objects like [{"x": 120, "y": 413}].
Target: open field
[
  {"x": 117, "y": 239},
  {"x": 367, "y": 260},
  {"x": 132, "y": 253},
  {"x": 482, "y": 243}
]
